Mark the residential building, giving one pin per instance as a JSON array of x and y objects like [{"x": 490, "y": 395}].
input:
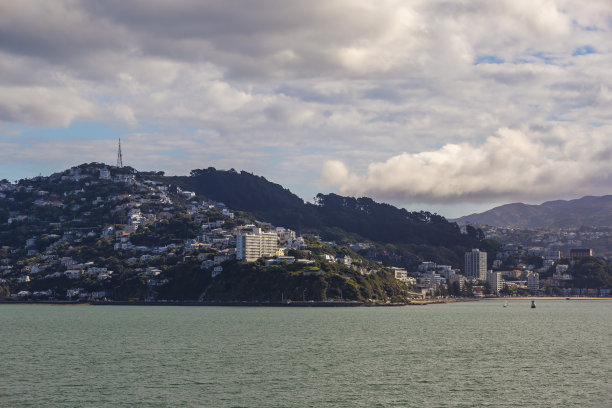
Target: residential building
[
  {"x": 285, "y": 235},
  {"x": 553, "y": 255},
  {"x": 257, "y": 244},
  {"x": 460, "y": 279},
  {"x": 476, "y": 264},
  {"x": 495, "y": 282},
  {"x": 533, "y": 281},
  {"x": 328, "y": 258},
  {"x": 73, "y": 274},
  {"x": 345, "y": 259},
  {"x": 400, "y": 273},
  {"x": 580, "y": 253},
  {"x": 105, "y": 174},
  {"x": 513, "y": 274}
]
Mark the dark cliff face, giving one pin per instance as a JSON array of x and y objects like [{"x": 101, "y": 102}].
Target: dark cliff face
[{"x": 585, "y": 211}]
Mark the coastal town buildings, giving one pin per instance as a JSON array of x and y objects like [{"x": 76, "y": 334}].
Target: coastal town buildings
[{"x": 131, "y": 224}]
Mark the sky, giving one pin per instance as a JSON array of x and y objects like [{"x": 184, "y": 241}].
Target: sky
[{"x": 452, "y": 107}]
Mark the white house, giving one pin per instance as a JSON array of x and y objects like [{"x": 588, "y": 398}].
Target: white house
[{"x": 345, "y": 259}]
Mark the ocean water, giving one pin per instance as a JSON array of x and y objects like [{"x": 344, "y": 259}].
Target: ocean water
[{"x": 475, "y": 354}]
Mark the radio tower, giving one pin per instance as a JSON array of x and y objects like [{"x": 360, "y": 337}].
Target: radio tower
[{"x": 119, "y": 156}]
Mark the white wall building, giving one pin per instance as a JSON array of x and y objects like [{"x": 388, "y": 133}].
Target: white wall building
[
  {"x": 495, "y": 282},
  {"x": 400, "y": 273},
  {"x": 476, "y": 264},
  {"x": 285, "y": 235},
  {"x": 257, "y": 244}
]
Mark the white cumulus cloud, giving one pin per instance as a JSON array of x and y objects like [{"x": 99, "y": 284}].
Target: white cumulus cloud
[{"x": 512, "y": 164}]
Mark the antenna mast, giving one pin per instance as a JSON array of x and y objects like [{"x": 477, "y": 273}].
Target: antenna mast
[{"x": 119, "y": 156}]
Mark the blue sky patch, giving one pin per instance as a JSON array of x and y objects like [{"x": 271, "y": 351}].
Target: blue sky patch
[
  {"x": 584, "y": 50},
  {"x": 488, "y": 59}
]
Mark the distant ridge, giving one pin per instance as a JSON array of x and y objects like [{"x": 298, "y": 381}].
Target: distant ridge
[{"x": 587, "y": 211}]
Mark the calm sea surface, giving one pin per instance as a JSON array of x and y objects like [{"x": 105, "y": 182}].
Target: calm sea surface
[{"x": 476, "y": 354}]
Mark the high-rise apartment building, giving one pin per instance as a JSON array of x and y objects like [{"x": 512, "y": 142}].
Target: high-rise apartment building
[
  {"x": 495, "y": 282},
  {"x": 257, "y": 244},
  {"x": 476, "y": 264}
]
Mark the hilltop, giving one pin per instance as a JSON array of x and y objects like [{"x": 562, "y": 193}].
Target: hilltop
[{"x": 589, "y": 211}]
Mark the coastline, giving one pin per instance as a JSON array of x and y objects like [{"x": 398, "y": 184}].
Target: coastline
[
  {"x": 292, "y": 303},
  {"x": 548, "y": 298}
]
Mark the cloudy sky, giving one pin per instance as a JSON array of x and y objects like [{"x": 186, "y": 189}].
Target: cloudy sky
[{"x": 448, "y": 106}]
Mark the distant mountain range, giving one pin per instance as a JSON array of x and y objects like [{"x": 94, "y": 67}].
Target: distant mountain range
[{"x": 587, "y": 211}]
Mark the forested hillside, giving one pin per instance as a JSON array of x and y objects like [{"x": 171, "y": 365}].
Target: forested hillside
[{"x": 420, "y": 234}]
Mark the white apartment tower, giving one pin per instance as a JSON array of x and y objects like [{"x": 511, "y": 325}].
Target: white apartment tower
[
  {"x": 476, "y": 264},
  {"x": 495, "y": 281},
  {"x": 252, "y": 246}
]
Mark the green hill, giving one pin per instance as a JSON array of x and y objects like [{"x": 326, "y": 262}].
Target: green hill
[
  {"x": 97, "y": 231},
  {"x": 417, "y": 234}
]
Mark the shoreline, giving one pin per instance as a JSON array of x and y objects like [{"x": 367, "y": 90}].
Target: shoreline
[
  {"x": 548, "y": 298},
  {"x": 292, "y": 303}
]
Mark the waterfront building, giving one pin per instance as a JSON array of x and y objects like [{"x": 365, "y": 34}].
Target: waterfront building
[
  {"x": 495, "y": 282},
  {"x": 256, "y": 244},
  {"x": 533, "y": 281},
  {"x": 476, "y": 264},
  {"x": 460, "y": 279}
]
